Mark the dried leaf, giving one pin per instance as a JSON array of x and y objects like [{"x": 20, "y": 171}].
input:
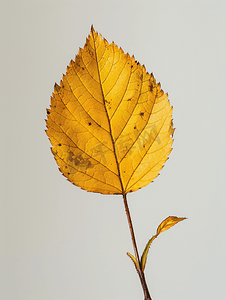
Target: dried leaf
[
  {"x": 166, "y": 224},
  {"x": 109, "y": 122}
]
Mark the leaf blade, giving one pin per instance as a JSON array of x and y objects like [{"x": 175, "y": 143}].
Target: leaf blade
[
  {"x": 168, "y": 223},
  {"x": 110, "y": 124}
]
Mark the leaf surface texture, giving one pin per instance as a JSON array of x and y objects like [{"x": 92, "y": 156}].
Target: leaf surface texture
[{"x": 109, "y": 122}]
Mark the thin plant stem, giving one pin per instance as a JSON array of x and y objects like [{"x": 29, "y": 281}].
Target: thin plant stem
[{"x": 139, "y": 269}]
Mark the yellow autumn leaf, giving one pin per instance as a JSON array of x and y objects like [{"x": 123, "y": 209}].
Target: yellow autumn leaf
[
  {"x": 166, "y": 224},
  {"x": 109, "y": 122}
]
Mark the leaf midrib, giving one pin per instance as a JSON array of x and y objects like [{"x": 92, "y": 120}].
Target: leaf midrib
[{"x": 110, "y": 131}]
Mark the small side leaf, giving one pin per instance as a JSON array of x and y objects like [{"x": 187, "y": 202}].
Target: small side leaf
[
  {"x": 145, "y": 253},
  {"x": 133, "y": 259},
  {"x": 166, "y": 224}
]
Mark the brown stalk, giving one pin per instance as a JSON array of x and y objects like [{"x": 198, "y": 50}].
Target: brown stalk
[{"x": 147, "y": 295}]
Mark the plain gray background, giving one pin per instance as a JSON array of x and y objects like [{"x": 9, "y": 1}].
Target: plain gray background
[{"x": 59, "y": 242}]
